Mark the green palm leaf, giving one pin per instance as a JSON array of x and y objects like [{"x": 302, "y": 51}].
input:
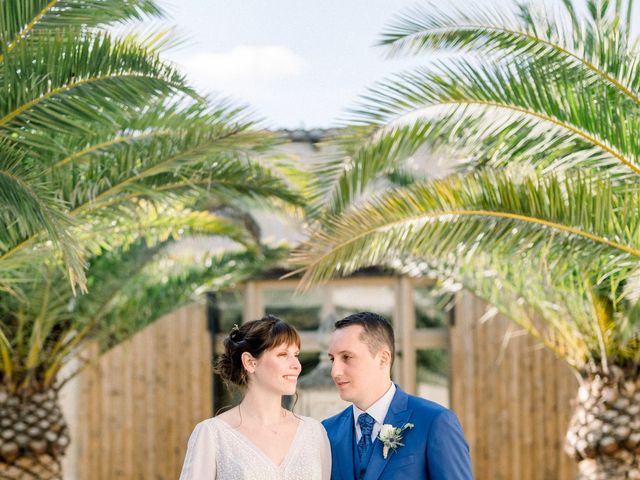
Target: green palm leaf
[
  {"x": 559, "y": 97},
  {"x": 62, "y": 81},
  {"x": 598, "y": 48},
  {"x": 38, "y": 209},
  {"x": 164, "y": 151},
  {"x": 521, "y": 92},
  {"x": 19, "y": 19},
  {"x": 78, "y": 81},
  {"x": 550, "y": 298},
  {"x": 164, "y": 286},
  {"x": 48, "y": 322},
  {"x": 486, "y": 211}
]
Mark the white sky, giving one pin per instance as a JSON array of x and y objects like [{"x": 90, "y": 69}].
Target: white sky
[{"x": 295, "y": 63}]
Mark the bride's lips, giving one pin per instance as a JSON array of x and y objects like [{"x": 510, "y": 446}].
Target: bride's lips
[{"x": 290, "y": 378}]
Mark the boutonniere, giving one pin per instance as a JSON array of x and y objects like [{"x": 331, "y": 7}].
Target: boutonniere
[{"x": 390, "y": 437}]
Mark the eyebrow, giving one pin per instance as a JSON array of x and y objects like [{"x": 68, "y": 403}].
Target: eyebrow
[{"x": 340, "y": 353}]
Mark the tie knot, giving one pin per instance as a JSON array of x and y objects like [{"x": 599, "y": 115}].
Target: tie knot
[{"x": 366, "y": 422}]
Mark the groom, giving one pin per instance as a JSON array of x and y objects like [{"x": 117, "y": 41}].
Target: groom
[{"x": 432, "y": 445}]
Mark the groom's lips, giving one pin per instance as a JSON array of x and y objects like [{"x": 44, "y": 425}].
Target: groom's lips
[{"x": 341, "y": 384}]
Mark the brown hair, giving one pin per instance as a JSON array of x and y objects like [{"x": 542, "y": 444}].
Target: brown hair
[
  {"x": 377, "y": 331},
  {"x": 254, "y": 337}
]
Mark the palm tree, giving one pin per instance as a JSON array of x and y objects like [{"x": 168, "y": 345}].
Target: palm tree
[
  {"x": 538, "y": 211},
  {"x": 129, "y": 287},
  {"x": 101, "y": 143},
  {"x": 80, "y": 102}
]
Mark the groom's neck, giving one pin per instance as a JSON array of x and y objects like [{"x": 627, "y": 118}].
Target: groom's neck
[{"x": 376, "y": 394}]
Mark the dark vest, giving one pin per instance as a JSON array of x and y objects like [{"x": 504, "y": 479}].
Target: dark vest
[{"x": 360, "y": 464}]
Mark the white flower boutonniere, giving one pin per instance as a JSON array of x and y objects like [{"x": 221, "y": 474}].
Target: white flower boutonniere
[{"x": 390, "y": 437}]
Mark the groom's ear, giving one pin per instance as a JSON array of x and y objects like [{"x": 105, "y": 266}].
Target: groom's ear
[{"x": 385, "y": 357}]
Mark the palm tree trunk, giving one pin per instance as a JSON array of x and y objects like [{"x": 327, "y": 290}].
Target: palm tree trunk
[
  {"x": 604, "y": 433},
  {"x": 43, "y": 467},
  {"x": 33, "y": 435}
]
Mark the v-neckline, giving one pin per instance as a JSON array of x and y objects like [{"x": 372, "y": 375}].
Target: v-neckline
[{"x": 253, "y": 446}]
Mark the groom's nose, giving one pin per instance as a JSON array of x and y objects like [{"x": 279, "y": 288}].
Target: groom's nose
[{"x": 336, "y": 370}]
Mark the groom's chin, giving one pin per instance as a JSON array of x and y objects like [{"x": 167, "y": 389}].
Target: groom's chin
[{"x": 344, "y": 396}]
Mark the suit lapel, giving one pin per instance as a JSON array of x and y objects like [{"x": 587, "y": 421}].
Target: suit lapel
[
  {"x": 343, "y": 442},
  {"x": 397, "y": 416}
]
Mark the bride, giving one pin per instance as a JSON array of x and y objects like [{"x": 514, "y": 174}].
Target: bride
[{"x": 259, "y": 439}]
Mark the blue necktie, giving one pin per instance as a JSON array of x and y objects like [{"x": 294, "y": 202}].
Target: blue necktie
[{"x": 366, "y": 422}]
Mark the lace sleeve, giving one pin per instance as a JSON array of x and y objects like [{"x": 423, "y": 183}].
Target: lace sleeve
[
  {"x": 325, "y": 454},
  {"x": 200, "y": 460}
]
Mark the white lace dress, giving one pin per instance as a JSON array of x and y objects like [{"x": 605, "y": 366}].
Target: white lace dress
[{"x": 218, "y": 451}]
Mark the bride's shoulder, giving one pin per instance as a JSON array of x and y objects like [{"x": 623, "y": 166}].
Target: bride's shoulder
[
  {"x": 311, "y": 422},
  {"x": 215, "y": 423},
  {"x": 229, "y": 417},
  {"x": 208, "y": 423},
  {"x": 314, "y": 432}
]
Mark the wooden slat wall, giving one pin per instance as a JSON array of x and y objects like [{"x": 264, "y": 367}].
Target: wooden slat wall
[
  {"x": 513, "y": 398},
  {"x": 136, "y": 407}
]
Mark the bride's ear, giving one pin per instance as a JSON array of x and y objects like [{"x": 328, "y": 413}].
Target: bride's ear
[{"x": 248, "y": 362}]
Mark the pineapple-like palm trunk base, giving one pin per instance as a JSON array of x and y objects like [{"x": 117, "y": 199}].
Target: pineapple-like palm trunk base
[
  {"x": 33, "y": 435},
  {"x": 607, "y": 469},
  {"x": 43, "y": 467},
  {"x": 604, "y": 433}
]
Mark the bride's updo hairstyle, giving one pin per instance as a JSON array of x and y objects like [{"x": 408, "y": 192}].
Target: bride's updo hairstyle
[{"x": 254, "y": 337}]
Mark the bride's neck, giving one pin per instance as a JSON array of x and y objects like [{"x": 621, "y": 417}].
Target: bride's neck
[{"x": 262, "y": 407}]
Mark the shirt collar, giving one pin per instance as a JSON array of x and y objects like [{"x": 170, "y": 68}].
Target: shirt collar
[{"x": 380, "y": 407}]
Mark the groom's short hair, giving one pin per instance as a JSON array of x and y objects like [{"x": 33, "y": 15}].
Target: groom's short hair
[{"x": 377, "y": 331}]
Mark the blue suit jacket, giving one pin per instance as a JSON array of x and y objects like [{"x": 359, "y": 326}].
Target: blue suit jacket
[{"x": 434, "y": 449}]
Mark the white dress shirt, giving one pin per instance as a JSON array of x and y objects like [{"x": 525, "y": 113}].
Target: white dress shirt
[{"x": 378, "y": 411}]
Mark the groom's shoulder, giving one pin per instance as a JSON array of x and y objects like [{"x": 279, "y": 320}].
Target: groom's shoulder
[
  {"x": 427, "y": 408},
  {"x": 424, "y": 404},
  {"x": 428, "y": 413}
]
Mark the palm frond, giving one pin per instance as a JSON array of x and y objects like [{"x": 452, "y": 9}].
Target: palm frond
[
  {"x": 360, "y": 156},
  {"x": 533, "y": 297},
  {"x": 79, "y": 82},
  {"x": 538, "y": 119},
  {"x": 157, "y": 223},
  {"x": 216, "y": 160},
  {"x": 157, "y": 119},
  {"x": 524, "y": 91},
  {"x": 487, "y": 211},
  {"x": 20, "y": 19},
  {"x": 28, "y": 207},
  {"x": 142, "y": 284},
  {"x": 49, "y": 322},
  {"x": 172, "y": 282},
  {"x": 542, "y": 33}
]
